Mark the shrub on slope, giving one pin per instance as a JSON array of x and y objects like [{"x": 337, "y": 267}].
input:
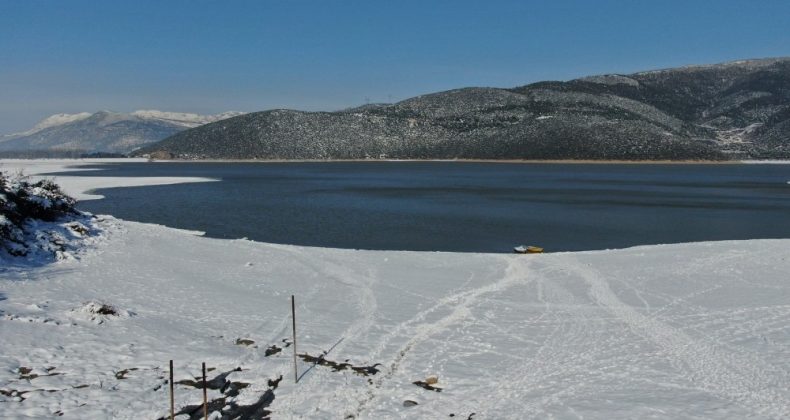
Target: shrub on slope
[{"x": 24, "y": 206}]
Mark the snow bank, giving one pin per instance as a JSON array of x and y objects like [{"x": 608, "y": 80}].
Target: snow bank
[
  {"x": 676, "y": 331},
  {"x": 81, "y": 187},
  {"x": 767, "y": 162}
]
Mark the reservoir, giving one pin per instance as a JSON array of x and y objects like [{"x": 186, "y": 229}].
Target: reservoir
[{"x": 458, "y": 206}]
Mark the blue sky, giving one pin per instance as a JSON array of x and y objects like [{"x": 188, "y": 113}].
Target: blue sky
[{"x": 212, "y": 56}]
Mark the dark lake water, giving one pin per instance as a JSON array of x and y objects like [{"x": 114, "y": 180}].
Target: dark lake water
[{"x": 459, "y": 206}]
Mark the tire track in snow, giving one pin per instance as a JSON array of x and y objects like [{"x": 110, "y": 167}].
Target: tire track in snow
[
  {"x": 747, "y": 381},
  {"x": 361, "y": 287},
  {"x": 557, "y": 370},
  {"x": 461, "y": 304}
]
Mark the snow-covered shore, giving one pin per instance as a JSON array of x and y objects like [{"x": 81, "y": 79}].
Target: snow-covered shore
[
  {"x": 676, "y": 331},
  {"x": 81, "y": 187}
]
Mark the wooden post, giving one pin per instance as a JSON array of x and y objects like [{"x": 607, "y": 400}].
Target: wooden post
[
  {"x": 293, "y": 318},
  {"x": 205, "y": 393},
  {"x": 172, "y": 399}
]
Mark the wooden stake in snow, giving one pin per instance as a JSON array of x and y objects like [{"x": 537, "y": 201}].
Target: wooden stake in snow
[
  {"x": 205, "y": 393},
  {"x": 293, "y": 318},
  {"x": 172, "y": 399}
]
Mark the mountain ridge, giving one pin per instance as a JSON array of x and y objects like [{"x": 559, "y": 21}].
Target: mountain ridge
[
  {"x": 733, "y": 110},
  {"x": 104, "y": 131}
]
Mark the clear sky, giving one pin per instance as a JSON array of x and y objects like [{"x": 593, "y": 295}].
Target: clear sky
[{"x": 211, "y": 56}]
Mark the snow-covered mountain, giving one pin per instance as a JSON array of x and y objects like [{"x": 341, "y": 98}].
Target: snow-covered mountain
[
  {"x": 51, "y": 121},
  {"x": 182, "y": 118},
  {"x": 104, "y": 131},
  {"x": 736, "y": 110}
]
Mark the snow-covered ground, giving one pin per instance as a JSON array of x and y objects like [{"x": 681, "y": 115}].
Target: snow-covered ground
[{"x": 677, "y": 331}]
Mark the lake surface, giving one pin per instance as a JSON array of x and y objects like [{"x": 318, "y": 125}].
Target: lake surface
[{"x": 459, "y": 206}]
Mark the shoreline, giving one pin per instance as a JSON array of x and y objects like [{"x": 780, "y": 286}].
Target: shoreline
[
  {"x": 84, "y": 188},
  {"x": 498, "y": 300},
  {"x": 506, "y": 161},
  {"x": 510, "y": 161}
]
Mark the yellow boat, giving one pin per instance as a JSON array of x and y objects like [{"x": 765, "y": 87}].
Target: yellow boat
[{"x": 528, "y": 250}]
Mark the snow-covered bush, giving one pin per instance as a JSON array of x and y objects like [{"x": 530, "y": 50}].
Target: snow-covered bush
[{"x": 24, "y": 204}]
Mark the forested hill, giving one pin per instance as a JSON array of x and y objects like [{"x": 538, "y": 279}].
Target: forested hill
[{"x": 724, "y": 111}]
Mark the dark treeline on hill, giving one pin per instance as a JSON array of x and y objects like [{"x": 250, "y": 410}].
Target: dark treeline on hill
[{"x": 724, "y": 111}]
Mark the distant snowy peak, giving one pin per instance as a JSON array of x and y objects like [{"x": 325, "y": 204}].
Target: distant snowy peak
[
  {"x": 104, "y": 131},
  {"x": 188, "y": 120},
  {"x": 59, "y": 119},
  {"x": 182, "y": 119},
  {"x": 53, "y": 121}
]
